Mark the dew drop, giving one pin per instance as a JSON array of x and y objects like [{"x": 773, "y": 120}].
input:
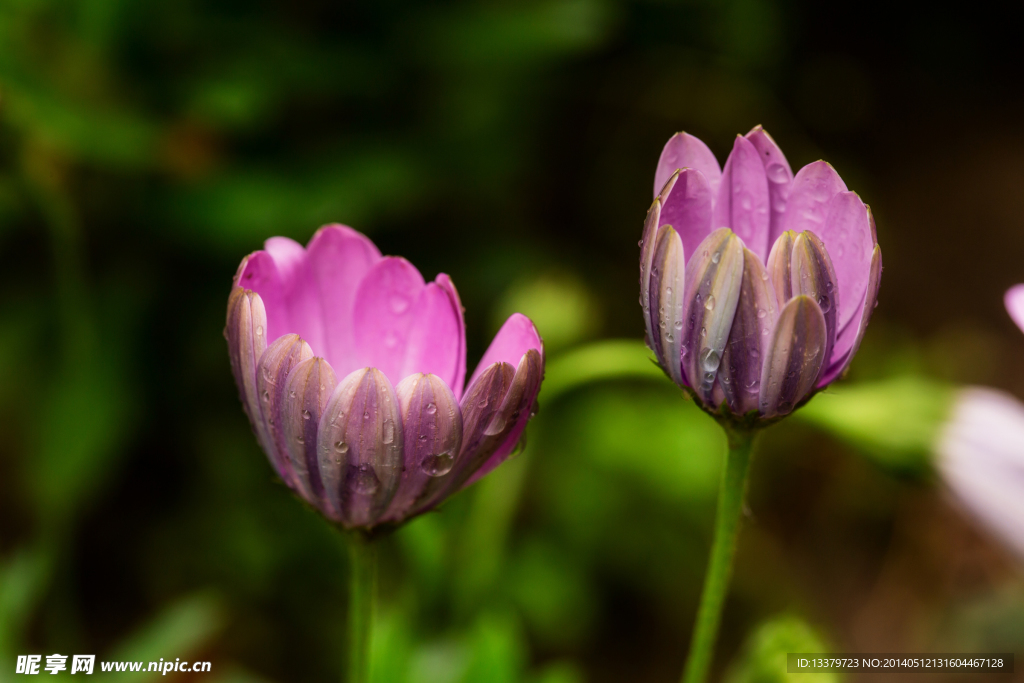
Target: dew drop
[
  {"x": 710, "y": 360},
  {"x": 431, "y": 408},
  {"x": 683, "y": 350},
  {"x": 716, "y": 257},
  {"x": 340, "y": 447},
  {"x": 305, "y": 415},
  {"x": 437, "y": 465},
  {"x": 362, "y": 479},
  {"x": 366, "y": 414},
  {"x": 259, "y": 330},
  {"x": 668, "y": 291},
  {"x": 266, "y": 395},
  {"x": 423, "y": 437},
  {"x": 398, "y": 304},
  {"x": 762, "y": 313},
  {"x": 829, "y": 286},
  {"x": 300, "y": 439},
  {"x": 678, "y": 325},
  {"x": 291, "y": 394},
  {"x": 825, "y": 303},
  {"x": 777, "y": 173},
  {"x": 703, "y": 331},
  {"x": 710, "y": 304}
]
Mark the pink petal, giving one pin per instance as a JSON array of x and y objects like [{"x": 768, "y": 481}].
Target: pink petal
[
  {"x": 385, "y": 309},
  {"x": 849, "y": 338},
  {"x": 460, "y": 372},
  {"x": 847, "y": 236},
  {"x": 515, "y": 338},
  {"x": 258, "y": 273},
  {"x": 435, "y": 343},
  {"x": 301, "y": 297},
  {"x": 1014, "y": 301},
  {"x": 742, "y": 202},
  {"x": 813, "y": 188},
  {"x": 685, "y": 151},
  {"x": 687, "y": 208},
  {"x": 779, "y": 174},
  {"x": 338, "y": 258}
]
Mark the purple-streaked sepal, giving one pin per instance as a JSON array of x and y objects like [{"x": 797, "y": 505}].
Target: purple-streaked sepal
[
  {"x": 246, "y": 332},
  {"x": 756, "y": 312},
  {"x": 432, "y": 433},
  {"x": 360, "y": 448},
  {"x": 780, "y": 266},
  {"x": 667, "y": 291},
  {"x": 794, "y": 358},
  {"x": 713, "y": 278},
  {"x": 814, "y": 276},
  {"x": 272, "y": 373},
  {"x": 648, "y": 242},
  {"x": 306, "y": 391}
]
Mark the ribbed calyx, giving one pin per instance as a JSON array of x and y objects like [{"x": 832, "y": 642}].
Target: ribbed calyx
[
  {"x": 756, "y": 285},
  {"x": 395, "y": 434}
]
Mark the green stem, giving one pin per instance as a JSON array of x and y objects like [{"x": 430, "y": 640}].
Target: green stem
[
  {"x": 723, "y": 548},
  {"x": 362, "y": 603}
]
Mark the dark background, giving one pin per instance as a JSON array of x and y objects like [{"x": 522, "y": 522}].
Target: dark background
[{"x": 145, "y": 147}]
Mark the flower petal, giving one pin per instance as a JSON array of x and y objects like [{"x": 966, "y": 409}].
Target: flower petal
[
  {"x": 247, "y": 340},
  {"x": 667, "y": 289},
  {"x": 849, "y": 338},
  {"x": 780, "y": 266},
  {"x": 756, "y": 313},
  {"x": 258, "y": 273},
  {"x": 779, "y": 174},
  {"x": 648, "y": 242},
  {"x": 384, "y": 313},
  {"x": 307, "y": 389},
  {"x": 809, "y": 196},
  {"x": 301, "y": 296},
  {"x": 459, "y": 382},
  {"x": 432, "y": 431},
  {"x": 360, "y": 448},
  {"x": 505, "y": 430},
  {"x": 847, "y": 236},
  {"x": 1014, "y": 301},
  {"x": 813, "y": 275},
  {"x": 713, "y": 278},
  {"x": 688, "y": 206},
  {"x": 436, "y": 339},
  {"x": 794, "y": 358},
  {"x": 271, "y": 376},
  {"x": 685, "y": 151},
  {"x": 338, "y": 258},
  {"x": 514, "y": 339},
  {"x": 742, "y": 202}
]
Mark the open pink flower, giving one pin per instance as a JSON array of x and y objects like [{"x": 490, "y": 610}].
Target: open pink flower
[
  {"x": 351, "y": 369},
  {"x": 756, "y": 285}
]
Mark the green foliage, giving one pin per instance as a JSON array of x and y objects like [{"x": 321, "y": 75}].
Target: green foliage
[{"x": 764, "y": 655}]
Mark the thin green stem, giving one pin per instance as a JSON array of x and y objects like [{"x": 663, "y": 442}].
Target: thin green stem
[
  {"x": 362, "y": 603},
  {"x": 723, "y": 548}
]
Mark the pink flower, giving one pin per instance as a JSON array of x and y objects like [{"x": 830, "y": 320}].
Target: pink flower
[
  {"x": 351, "y": 369},
  {"x": 756, "y": 285},
  {"x": 981, "y": 458},
  {"x": 1014, "y": 301}
]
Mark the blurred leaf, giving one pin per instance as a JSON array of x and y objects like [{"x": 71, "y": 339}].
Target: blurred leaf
[
  {"x": 609, "y": 359},
  {"x": 182, "y": 629},
  {"x": 392, "y": 648},
  {"x": 560, "y": 672},
  {"x": 895, "y": 421},
  {"x": 553, "y": 592},
  {"x": 22, "y": 580},
  {"x": 763, "y": 659},
  {"x": 498, "y": 651}
]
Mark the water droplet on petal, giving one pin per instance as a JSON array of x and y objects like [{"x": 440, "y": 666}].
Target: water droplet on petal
[
  {"x": 829, "y": 286},
  {"x": 341, "y": 447},
  {"x": 761, "y": 313},
  {"x": 362, "y": 479},
  {"x": 777, "y": 173},
  {"x": 366, "y": 414},
  {"x": 710, "y": 360},
  {"x": 431, "y": 408},
  {"x": 710, "y": 305},
  {"x": 398, "y": 304},
  {"x": 703, "y": 331},
  {"x": 437, "y": 465},
  {"x": 824, "y": 303},
  {"x": 266, "y": 395},
  {"x": 716, "y": 257},
  {"x": 300, "y": 439},
  {"x": 305, "y": 415},
  {"x": 259, "y": 330}
]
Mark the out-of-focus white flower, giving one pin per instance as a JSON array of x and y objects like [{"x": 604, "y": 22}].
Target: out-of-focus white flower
[{"x": 981, "y": 458}]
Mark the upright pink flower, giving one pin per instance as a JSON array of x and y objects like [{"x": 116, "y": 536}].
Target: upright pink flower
[
  {"x": 756, "y": 285},
  {"x": 351, "y": 369}
]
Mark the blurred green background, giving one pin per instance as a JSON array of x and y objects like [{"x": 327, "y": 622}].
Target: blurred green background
[{"x": 145, "y": 147}]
